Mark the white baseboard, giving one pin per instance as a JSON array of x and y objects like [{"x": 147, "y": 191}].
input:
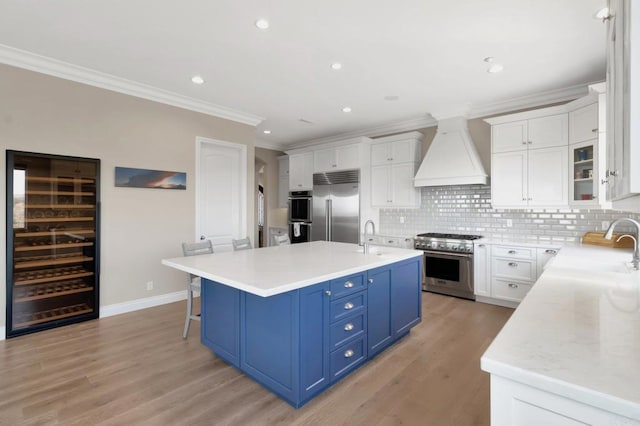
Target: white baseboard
[
  {"x": 147, "y": 302},
  {"x": 133, "y": 305}
]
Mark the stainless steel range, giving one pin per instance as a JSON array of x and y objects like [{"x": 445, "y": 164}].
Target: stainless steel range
[{"x": 447, "y": 263}]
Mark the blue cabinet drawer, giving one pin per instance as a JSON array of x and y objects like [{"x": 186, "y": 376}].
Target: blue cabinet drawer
[
  {"x": 343, "y": 286},
  {"x": 347, "y": 329},
  {"x": 348, "y": 306},
  {"x": 347, "y": 357}
]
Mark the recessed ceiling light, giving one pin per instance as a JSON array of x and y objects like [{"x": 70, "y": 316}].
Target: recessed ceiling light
[
  {"x": 263, "y": 24},
  {"x": 336, "y": 66},
  {"x": 495, "y": 68},
  {"x": 602, "y": 13},
  {"x": 266, "y": 132},
  {"x": 391, "y": 98},
  {"x": 346, "y": 109},
  {"x": 196, "y": 79}
]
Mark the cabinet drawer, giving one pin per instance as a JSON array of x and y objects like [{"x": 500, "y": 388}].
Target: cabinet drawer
[
  {"x": 348, "y": 306},
  {"x": 347, "y": 357},
  {"x": 515, "y": 268},
  {"x": 514, "y": 252},
  {"x": 510, "y": 290},
  {"x": 347, "y": 329},
  {"x": 343, "y": 286}
]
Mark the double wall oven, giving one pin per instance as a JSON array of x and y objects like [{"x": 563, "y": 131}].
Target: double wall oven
[
  {"x": 300, "y": 216},
  {"x": 447, "y": 263}
]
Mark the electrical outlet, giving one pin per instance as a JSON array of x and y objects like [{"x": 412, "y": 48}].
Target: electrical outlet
[
  {"x": 509, "y": 223},
  {"x": 149, "y": 285},
  {"x": 605, "y": 225},
  {"x": 401, "y": 219}
]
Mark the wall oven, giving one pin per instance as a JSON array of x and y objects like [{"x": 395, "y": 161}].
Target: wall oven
[
  {"x": 299, "y": 232},
  {"x": 447, "y": 263},
  {"x": 300, "y": 206}
]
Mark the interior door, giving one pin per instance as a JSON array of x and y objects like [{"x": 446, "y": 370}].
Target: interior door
[
  {"x": 221, "y": 193},
  {"x": 345, "y": 212}
]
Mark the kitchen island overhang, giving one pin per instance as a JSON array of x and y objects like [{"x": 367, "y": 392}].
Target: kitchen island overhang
[{"x": 299, "y": 318}]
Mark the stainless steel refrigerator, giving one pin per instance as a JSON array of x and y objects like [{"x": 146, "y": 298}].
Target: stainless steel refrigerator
[{"x": 336, "y": 206}]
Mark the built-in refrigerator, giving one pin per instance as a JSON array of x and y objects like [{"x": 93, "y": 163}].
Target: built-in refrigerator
[{"x": 336, "y": 206}]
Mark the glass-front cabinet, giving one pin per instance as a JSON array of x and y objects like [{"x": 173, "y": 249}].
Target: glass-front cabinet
[
  {"x": 52, "y": 241},
  {"x": 584, "y": 189}
]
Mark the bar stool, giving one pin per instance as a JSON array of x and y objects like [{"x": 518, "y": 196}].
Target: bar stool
[
  {"x": 281, "y": 240},
  {"x": 241, "y": 244},
  {"x": 193, "y": 284}
]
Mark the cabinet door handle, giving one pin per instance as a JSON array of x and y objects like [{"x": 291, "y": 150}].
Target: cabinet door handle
[
  {"x": 348, "y": 284},
  {"x": 370, "y": 280},
  {"x": 524, "y": 142},
  {"x": 551, "y": 251},
  {"x": 348, "y": 306},
  {"x": 511, "y": 285},
  {"x": 530, "y": 142},
  {"x": 348, "y": 327},
  {"x": 349, "y": 353},
  {"x": 594, "y": 130},
  {"x": 328, "y": 292},
  {"x": 512, "y": 252},
  {"x": 524, "y": 199},
  {"x": 513, "y": 264},
  {"x": 390, "y": 241},
  {"x": 529, "y": 199},
  {"x": 481, "y": 245},
  {"x": 604, "y": 181}
]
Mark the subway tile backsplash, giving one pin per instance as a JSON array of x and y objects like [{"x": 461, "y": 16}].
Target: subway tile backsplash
[{"x": 466, "y": 209}]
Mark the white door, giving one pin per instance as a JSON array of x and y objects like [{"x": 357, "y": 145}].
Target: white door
[{"x": 221, "y": 192}]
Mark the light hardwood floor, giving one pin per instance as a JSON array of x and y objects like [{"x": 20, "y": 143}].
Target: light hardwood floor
[{"x": 136, "y": 369}]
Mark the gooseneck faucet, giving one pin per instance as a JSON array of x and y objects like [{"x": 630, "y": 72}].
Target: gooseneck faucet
[
  {"x": 636, "y": 248},
  {"x": 366, "y": 239}
]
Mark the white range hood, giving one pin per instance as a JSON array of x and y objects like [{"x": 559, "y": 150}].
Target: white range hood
[{"x": 452, "y": 158}]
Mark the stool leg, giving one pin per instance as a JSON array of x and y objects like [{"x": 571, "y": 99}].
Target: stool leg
[{"x": 189, "y": 312}]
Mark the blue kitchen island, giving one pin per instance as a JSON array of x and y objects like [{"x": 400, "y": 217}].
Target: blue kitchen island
[{"x": 299, "y": 318}]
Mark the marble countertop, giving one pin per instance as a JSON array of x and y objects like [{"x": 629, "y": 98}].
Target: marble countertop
[
  {"x": 269, "y": 271},
  {"x": 577, "y": 332}
]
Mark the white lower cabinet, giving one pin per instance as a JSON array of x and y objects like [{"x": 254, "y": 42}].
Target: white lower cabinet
[
  {"x": 504, "y": 273},
  {"x": 517, "y": 404}
]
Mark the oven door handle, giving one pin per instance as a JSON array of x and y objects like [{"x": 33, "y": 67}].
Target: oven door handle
[{"x": 442, "y": 254}]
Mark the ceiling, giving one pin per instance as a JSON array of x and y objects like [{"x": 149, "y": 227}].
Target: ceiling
[{"x": 429, "y": 54}]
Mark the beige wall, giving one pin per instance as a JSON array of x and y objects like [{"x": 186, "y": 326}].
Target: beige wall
[
  {"x": 45, "y": 114},
  {"x": 275, "y": 216}
]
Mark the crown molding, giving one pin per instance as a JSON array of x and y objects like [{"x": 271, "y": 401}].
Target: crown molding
[
  {"x": 45, "y": 65},
  {"x": 530, "y": 101},
  {"x": 372, "y": 132},
  {"x": 261, "y": 143}
]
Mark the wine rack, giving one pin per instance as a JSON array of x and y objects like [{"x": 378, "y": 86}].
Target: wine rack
[{"x": 52, "y": 241}]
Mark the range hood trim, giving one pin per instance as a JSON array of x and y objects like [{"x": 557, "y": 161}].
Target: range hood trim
[{"x": 452, "y": 140}]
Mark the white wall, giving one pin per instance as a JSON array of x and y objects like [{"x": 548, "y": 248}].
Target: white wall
[{"x": 139, "y": 227}]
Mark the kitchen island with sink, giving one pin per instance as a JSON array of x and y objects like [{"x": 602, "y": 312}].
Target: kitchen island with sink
[
  {"x": 298, "y": 318},
  {"x": 570, "y": 353}
]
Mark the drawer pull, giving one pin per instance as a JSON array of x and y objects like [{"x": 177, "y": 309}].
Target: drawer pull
[
  {"x": 511, "y": 285},
  {"x": 349, "y": 353},
  {"x": 551, "y": 251},
  {"x": 348, "y": 327},
  {"x": 348, "y": 306},
  {"x": 370, "y": 280},
  {"x": 390, "y": 241},
  {"x": 594, "y": 130},
  {"x": 512, "y": 252},
  {"x": 513, "y": 264},
  {"x": 481, "y": 245},
  {"x": 348, "y": 284},
  {"x": 328, "y": 292}
]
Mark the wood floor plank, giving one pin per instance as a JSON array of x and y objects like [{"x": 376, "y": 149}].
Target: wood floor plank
[{"x": 135, "y": 369}]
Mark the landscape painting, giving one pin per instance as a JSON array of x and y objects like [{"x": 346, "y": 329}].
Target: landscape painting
[{"x": 143, "y": 178}]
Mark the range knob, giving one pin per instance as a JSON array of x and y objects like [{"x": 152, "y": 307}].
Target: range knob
[
  {"x": 428, "y": 245},
  {"x": 442, "y": 246}
]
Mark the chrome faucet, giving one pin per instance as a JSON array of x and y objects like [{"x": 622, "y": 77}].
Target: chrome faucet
[
  {"x": 366, "y": 239},
  {"x": 636, "y": 248}
]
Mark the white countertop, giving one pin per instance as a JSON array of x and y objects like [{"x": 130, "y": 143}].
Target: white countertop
[
  {"x": 273, "y": 270},
  {"x": 577, "y": 332}
]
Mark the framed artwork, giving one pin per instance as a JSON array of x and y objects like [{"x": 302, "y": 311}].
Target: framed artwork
[{"x": 144, "y": 178}]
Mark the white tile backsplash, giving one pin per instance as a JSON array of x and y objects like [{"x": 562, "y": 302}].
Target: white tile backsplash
[{"x": 467, "y": 209}]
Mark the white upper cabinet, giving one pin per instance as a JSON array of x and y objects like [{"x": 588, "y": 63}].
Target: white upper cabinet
[
  {"x": 583, "y": 123},
  {"x": 529, "y": 165},
  {"x": 337, "y": 158},
  {"x": 301, "y": 171},
  {"x": 394, "y": 161}
]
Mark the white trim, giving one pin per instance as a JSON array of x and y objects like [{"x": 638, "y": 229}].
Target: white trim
[
  {"x": 45, "y": 65},
  {"x": 527, "y": 115},
  {"x": 137, "y": 304},
  {"x": 243, "y": 180},
  {"x": 260, "y": 143},
  {"x": 3, "y": 332}
]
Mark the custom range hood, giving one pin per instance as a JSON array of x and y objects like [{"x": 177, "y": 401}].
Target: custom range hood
[{"x": 452, "y": 158}]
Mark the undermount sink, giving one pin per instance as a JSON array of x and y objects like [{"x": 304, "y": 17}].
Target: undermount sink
[{"x": 377, "y": 250}]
